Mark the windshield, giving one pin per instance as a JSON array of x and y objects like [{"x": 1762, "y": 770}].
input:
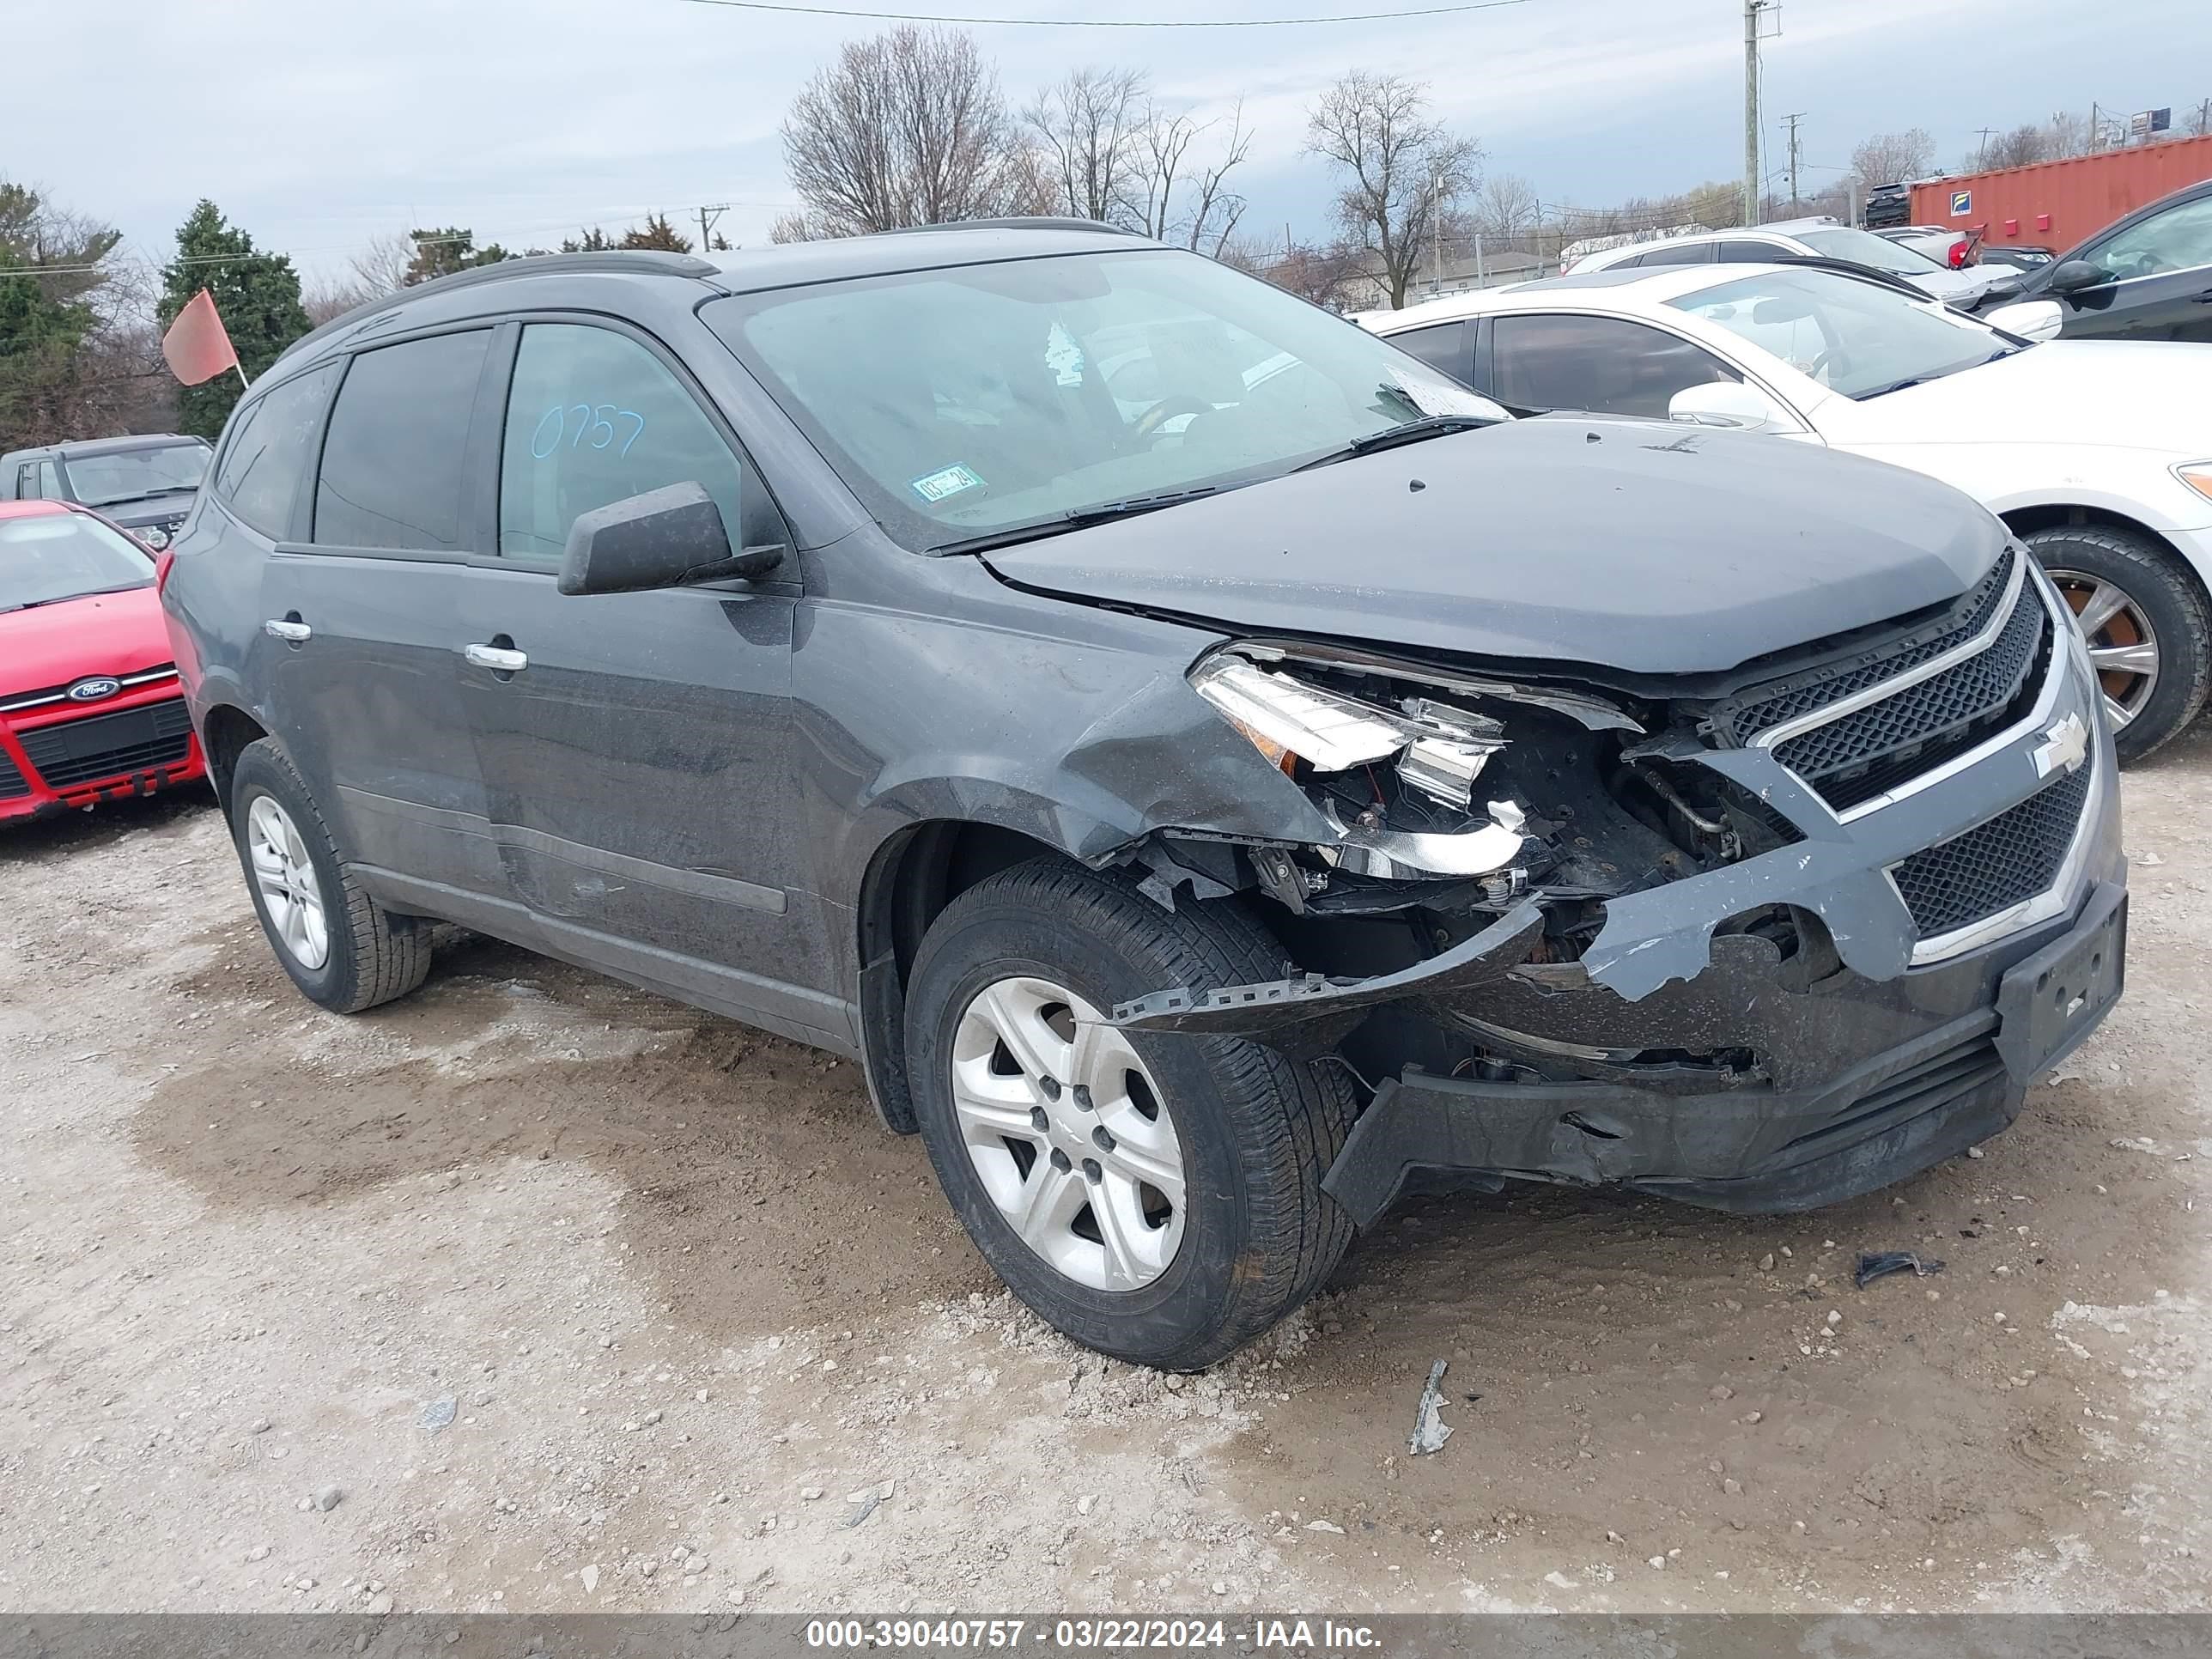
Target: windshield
[
  {"x": 972, "y": 399},
  {"x": 123, "y": 475},
  {"x": 1854, "y": 336},
  {"x": 60, "y": 556},
  {"x": 1863, "y": 248}
]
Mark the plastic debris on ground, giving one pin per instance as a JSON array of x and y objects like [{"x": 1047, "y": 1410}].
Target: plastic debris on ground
[
  {"x": 1430, "y": 1429},
  {"x": 1880, "y": 1264}
]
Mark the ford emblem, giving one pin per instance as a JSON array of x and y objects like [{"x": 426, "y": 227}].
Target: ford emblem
[{"x": 93, "y": 690}]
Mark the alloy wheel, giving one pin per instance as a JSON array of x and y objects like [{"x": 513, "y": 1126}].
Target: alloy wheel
[
  {"x": 2122, "y": 644},
  {"x": 286, "y": 877},
  {"x": 1068, "y": 1133}
]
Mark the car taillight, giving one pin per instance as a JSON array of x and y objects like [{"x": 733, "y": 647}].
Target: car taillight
[
  {"x": 1958, "y": 254},
  {"x": 162, "y": 560}
]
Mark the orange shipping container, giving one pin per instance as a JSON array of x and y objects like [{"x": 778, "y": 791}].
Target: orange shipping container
[{"x": 2055, "y": 204}]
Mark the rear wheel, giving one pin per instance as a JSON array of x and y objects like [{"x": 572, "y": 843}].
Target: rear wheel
[
  {"x": 1156, "y": 1197},
  {"x": 2150, "y": 637},
  {"x": 342, "y": 948}
]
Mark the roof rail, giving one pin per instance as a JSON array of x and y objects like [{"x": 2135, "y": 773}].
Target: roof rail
[
  {"x": 611, "y": 261},
  {"x": 1037, "y": 221}
]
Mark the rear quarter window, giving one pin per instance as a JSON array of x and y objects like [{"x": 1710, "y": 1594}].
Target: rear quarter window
[{"x": 269, "y": 452}]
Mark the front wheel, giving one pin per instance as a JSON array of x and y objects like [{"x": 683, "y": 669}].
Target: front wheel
[
  {"x": 1156, "y": 1197},
  {"x": 342, "y": 948},
  {"x": 2151, "y": 639}
]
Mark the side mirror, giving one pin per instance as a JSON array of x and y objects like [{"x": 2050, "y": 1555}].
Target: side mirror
[
  {"x": 2032, "y": 319},
  {"x": 663, "y": 538},
  {"x": 2075, "y": 275},
  {"x": 1725, "y": 404}
]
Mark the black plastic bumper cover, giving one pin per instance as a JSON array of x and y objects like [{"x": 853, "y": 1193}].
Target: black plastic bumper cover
[{"x": 1757, "y": 1149}]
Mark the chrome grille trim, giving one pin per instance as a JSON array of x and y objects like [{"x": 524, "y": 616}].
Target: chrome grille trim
[{"x": 1828, "y": 713}]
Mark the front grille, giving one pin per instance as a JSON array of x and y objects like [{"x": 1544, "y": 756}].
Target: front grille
[
  {"x": 1856, "y": 756},
  {"x": 1744, "y": 717},
  {"x": 108, "y": 745},
  {"x": 46, "y": 693},
  {"x": 11, "y": 779},
  {"x": 1998, "y": 863}
]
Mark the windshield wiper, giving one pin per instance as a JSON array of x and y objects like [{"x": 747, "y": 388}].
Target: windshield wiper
[
  {"x": 1413, "y": 432},
  {"x": 1076, "y": 519},
  {"x": 64, "y": 599},
  {"x": 144, "y": 496}
]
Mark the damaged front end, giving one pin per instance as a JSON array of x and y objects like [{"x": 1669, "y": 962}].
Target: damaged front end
[{"x": 1760, "y": 943}]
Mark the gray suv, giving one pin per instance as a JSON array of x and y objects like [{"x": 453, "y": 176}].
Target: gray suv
[
  {"x": 1213, "y": 772},
  {"x": 145, "y": 484}
]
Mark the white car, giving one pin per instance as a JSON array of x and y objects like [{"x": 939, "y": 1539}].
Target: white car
[
  {"x": 2097, "y": 454},
  {"x": 1815, "y": 239}
]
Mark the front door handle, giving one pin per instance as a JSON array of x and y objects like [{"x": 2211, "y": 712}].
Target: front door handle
[
  {"x": 291, "y": 632},
  {"x": 499, "y": 661}
]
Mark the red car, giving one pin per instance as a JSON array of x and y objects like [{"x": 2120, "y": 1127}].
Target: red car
[{"x": 90, "y": 709}]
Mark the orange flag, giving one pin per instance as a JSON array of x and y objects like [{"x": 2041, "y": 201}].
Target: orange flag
[{"x": 197, "y": 347}]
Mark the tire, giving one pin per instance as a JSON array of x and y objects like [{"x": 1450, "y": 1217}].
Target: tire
[
  {"x": 368, "y": 955},
  {"x": 2162, "y": 599},
  {"x": 1249, "y": 1236}
]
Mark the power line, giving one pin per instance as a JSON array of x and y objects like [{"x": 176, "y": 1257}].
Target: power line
[{"x": 1110, "y": 22}]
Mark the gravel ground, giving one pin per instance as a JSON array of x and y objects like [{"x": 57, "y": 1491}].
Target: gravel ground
[{"x": 535, "y": 1292}]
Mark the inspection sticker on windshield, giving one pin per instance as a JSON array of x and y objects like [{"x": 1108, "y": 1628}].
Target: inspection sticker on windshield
[{"x": 950, "y": 482}]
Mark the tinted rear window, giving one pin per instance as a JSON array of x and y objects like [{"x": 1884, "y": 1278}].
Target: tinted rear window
[
  {"x": 259, "y": 477},
  {"x": 393, "y": 462}
]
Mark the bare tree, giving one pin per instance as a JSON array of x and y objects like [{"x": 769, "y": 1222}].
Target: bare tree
[
  {"x": 1505, "y": 209},
  {"x": 1320, "y": 273},
  {"x": 1214, "y": 219},
  {"x": 2028, "y": 143},
  {"x": 1095, "y": 127},
  {"x": 906, "y": 128},
  {"x": 1891, "y": 158},
  {"x": 1161, "y": 141},
  {"x": 2067, "y": 133},
  {"x": 1403, "y": 169}
]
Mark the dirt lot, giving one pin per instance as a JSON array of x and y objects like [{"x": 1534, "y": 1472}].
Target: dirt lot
[{"x": 573, "y": 1298}]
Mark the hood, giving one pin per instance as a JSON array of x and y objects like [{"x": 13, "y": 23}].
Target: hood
[
  {"x": 1628, "y": 545},
  {"x": 50, "y": 645},
  {"x": 2148, "y": 394}
]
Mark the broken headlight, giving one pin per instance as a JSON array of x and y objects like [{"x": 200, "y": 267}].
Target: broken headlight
[
  {"x": 1438, "y": 750},
  {"x": 1397, "y": 778}
]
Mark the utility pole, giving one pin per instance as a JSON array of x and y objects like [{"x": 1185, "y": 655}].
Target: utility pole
[
  {"x": 1753, "y": 10},
  {"x": 708, "y": 218},
  {"x": 1982, "y": 153},
  {"x": 2205, "y": 118},
  {"x": 1436, "y": 232},
  {"x": 1791, "y": 121},
  {"x": 2096, "y": 130}
]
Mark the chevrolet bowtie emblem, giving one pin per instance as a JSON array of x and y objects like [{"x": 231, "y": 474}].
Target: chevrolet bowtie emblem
[{"x": 2063, "y": 748}]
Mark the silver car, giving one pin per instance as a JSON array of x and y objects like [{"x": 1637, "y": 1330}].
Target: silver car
[{"x": 1826, "y": 238}]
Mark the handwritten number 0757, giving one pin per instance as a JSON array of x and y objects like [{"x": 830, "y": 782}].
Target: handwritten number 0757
[{"x": 591, "y": 420}]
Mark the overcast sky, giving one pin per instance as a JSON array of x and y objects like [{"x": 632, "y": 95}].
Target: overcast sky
[{"x": 317, "y": 126}]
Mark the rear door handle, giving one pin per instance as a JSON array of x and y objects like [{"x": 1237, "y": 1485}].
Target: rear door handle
[
  {"x": 292, "y": 633},
  {"x": 496, "y": 658}
]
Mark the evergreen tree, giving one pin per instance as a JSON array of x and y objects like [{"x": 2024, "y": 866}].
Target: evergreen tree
[
  {"x": 449, "y": 248},
  {"x": 46, "y": 315},
  {"x": 256, "y": 294}
]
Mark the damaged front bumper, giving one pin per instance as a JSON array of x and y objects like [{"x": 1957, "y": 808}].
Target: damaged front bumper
[{"x": 1679, "y": 1058}]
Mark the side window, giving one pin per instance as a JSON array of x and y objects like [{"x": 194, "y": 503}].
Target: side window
[
  {"x": 1605, "y": 365},
  {"x": 594, "y": 417},
  {"x": 1442, "y": 346},
  {"x": 49, "y": 482},
  {"x": 1678, "y": 254},
  {"x": 258, "y": 476},
  {"x": 1751, "y": 253},
  {"x": 2177, "y": 239},
  {"x": 393, "y": 465}
]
